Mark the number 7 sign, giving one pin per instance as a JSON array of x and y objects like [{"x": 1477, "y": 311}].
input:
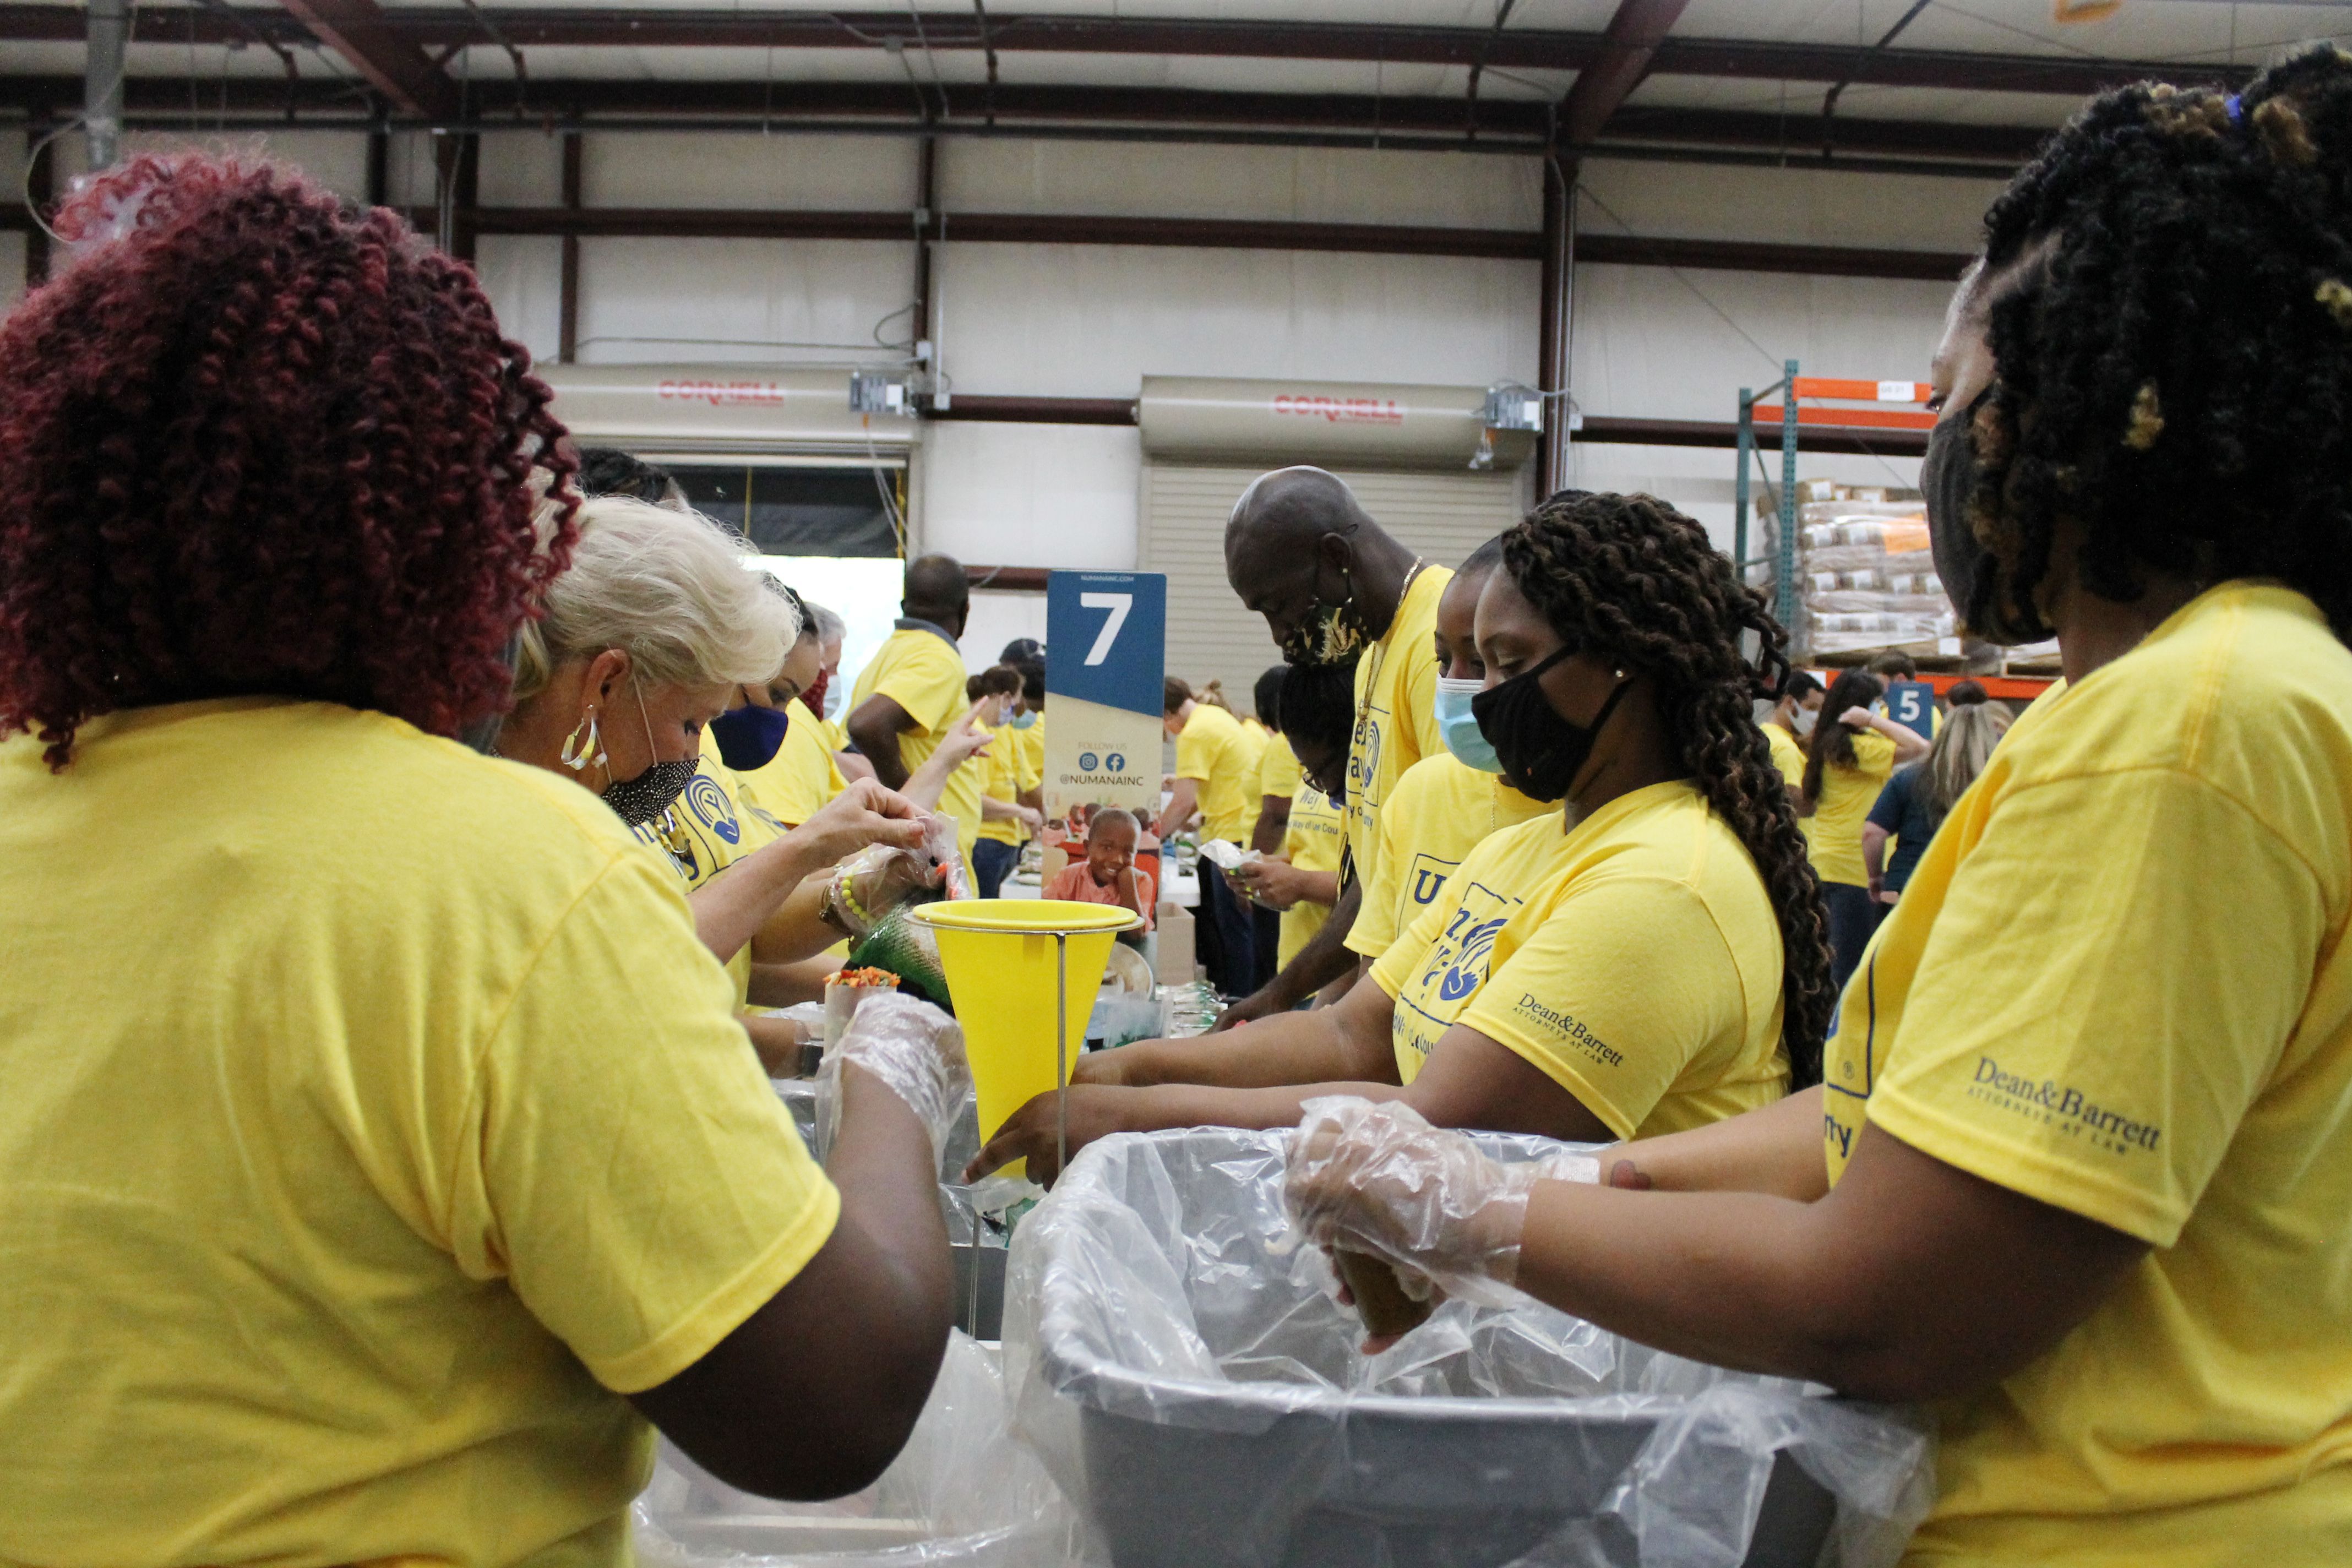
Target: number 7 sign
[{"x": 1118, "y": 604}]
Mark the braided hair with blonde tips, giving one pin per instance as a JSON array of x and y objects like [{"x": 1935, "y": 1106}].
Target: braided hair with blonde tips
[{"x": 1634, "y": 583}]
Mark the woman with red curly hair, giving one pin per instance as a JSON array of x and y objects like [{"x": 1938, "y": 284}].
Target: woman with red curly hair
[{"x": 403, "y": 1173}]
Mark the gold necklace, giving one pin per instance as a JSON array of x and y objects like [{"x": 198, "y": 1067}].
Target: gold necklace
[{"x": 1380, "y": 648}]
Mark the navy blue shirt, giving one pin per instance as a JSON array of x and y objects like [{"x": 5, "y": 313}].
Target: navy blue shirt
[{"x": 1902, "y": 810}]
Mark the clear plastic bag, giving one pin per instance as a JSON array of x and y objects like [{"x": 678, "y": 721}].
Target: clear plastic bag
[
  {"x": 868, "y": 886},
  {"x": 1181, "y": 1370},
  {"x": 961, "y": 1492}
]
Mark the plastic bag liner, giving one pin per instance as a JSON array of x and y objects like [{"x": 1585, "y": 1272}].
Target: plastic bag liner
[
  {"x": 1181, "y": 1369},
  {"x": 961, "y": 1492}
]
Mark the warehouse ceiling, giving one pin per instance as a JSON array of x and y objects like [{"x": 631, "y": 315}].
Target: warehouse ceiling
[{"x": 1947, "y": 86}]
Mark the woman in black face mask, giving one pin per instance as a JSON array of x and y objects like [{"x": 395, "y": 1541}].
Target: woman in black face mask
[
  {"x": 646, "y": 640},
  {"x": 2079, "y": 1168},
  {"x": 1648, "y": 957}
]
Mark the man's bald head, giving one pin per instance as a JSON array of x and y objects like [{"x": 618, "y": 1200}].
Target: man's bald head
[
  {"x": 1295, "y": 544},
  {"x": 1293, "y": 507},
  {"x": 938, "y": 591}
]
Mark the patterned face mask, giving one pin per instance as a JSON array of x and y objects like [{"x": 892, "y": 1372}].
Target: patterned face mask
[
  {"x": 1331, "y": 633},
  {"x": 641, "y": 799}
]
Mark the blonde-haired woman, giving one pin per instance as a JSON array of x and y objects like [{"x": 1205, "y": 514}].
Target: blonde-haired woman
[
  {"x": 1917, "y": 798},
  {"x": 644, "y": 641}
]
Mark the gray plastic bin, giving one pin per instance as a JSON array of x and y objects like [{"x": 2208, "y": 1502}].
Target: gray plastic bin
[{"x": 1184, "y": 1373}]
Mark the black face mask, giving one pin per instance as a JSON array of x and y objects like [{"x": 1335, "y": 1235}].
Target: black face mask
[
  {"x": 1948, "y": 479},
  {"x": 1542, "y": 753},
  {"x": 639, "y": 800}
]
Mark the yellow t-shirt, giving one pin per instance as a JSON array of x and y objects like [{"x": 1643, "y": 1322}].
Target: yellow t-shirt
[
  {"x": 1214, "y": 752},
  {"x": 1311, "y": 843},
  {"x": 1032, "y": 747},
  {"x": 1278, "y": 773},
  {"x": 1441, "y": 809},
  {"x": 1790, "y": 757},
  {"x": 707, "y": 829},
  {"x": 337, "y": 1230},
  {"x": 801, "y": 777},
  {"x": 1396, "y": 712},
  {"x": 1635, "y": 959},
  {"x": 922, "y": 672},
  {"x": 1008, "y": 774},
  {"x": 2116, "y": 983},
  {"x": 1833, "y": 833},
  {"x": 1256, "y": 740}
]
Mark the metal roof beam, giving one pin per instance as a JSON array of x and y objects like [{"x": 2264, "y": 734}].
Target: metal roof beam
[
  {"x": 1632, "y": 37},
  {"x": 395, "y": 65},
  {"x": 154, "y": 100},
  {"x": 1515, "y": 48}
]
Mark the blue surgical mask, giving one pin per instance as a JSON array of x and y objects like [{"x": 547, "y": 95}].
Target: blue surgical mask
[
  {"x": 1023, "y": 720},
  {"x": 1460, "y": 726},
  {"x": 750, "y": 737}
]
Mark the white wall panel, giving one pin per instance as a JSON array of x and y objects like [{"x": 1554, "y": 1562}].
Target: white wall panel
[
  {"x": 825, "y": 174},
  {"x": 1307, "y": 184},
  {"x": 409, "y": 169},
  {"x": 732, "y": 301},
  {"x": 337, "y": 159},
  {"x": 1647, "y": 345},
  {"x": 996, "y": 619},
  {"x": 523, "y": 275},
  {"x": 1031, "y": 495},
  {"x": 1092, "y": 320},
  {"x": 1700, "y": 480},
  {"x": 12, "y": 270},
  {"x": 1790, "y": 206},
  {"x": 522, "y": 169}
]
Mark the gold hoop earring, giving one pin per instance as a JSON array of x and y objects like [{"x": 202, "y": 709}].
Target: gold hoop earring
[{"x": 576, "y": 750}]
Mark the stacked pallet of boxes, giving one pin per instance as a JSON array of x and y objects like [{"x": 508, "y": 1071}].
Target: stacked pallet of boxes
[
  {"x": 1866, "y": 576},
  {"x": 1866, "y": 580}
]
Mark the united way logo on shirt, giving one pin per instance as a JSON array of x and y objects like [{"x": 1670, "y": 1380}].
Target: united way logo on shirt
[
  {"x": 1428, "y": 877},
  {"x": 709, "y": 804},
  {"x": 1364, "y": 765},
  {"x": 1458, "y": 963}
]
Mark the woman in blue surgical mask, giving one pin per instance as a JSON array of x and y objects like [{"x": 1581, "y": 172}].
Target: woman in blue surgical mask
[{"x": 1444, "y": 806}]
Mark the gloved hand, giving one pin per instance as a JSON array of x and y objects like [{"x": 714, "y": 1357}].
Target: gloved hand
[
  {"x": 914, "y": 1049},
  {"x": 1376, "y": 1178},
  {"x": 881, "y": 877}
]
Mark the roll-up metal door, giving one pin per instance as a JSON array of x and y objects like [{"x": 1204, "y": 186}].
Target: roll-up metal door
[{"x": 1443, "y": 515}]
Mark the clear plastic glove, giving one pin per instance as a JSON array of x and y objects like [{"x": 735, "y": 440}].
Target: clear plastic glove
[
  {"x": 881, "y": 877},
  {"x": 1379, "y": 1179},
  {"x": 914, "y": 1049}
]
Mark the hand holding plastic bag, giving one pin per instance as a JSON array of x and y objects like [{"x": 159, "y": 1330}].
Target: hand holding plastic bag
[
  {"x": 1378, "y": 1178},
  {"x": 916, "y": 1050},
  {"x": 879, "y": 877}
]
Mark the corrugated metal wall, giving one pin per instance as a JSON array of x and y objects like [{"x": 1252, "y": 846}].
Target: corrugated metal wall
[{"x": 1443, "y": 515}]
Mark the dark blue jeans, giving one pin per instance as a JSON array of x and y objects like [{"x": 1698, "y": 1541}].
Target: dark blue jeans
[
  {"x": 992, "y": 862},
  {"x": 1852, "y": 917},
  {"x": 1232, "y": 959}
]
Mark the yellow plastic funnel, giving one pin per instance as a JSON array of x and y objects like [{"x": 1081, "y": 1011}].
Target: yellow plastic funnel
[{"x": 1006, "y": 960}]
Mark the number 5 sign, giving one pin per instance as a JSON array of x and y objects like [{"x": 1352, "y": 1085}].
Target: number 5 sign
[
  {"x": 1912, "y": 703},
  {"x": 1105, "y": 642}
]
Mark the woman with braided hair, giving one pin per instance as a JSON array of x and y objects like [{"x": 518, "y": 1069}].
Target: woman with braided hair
[
  {"x": 2080, "y": 1170},
  {"x": 1646, "y": 956}
]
